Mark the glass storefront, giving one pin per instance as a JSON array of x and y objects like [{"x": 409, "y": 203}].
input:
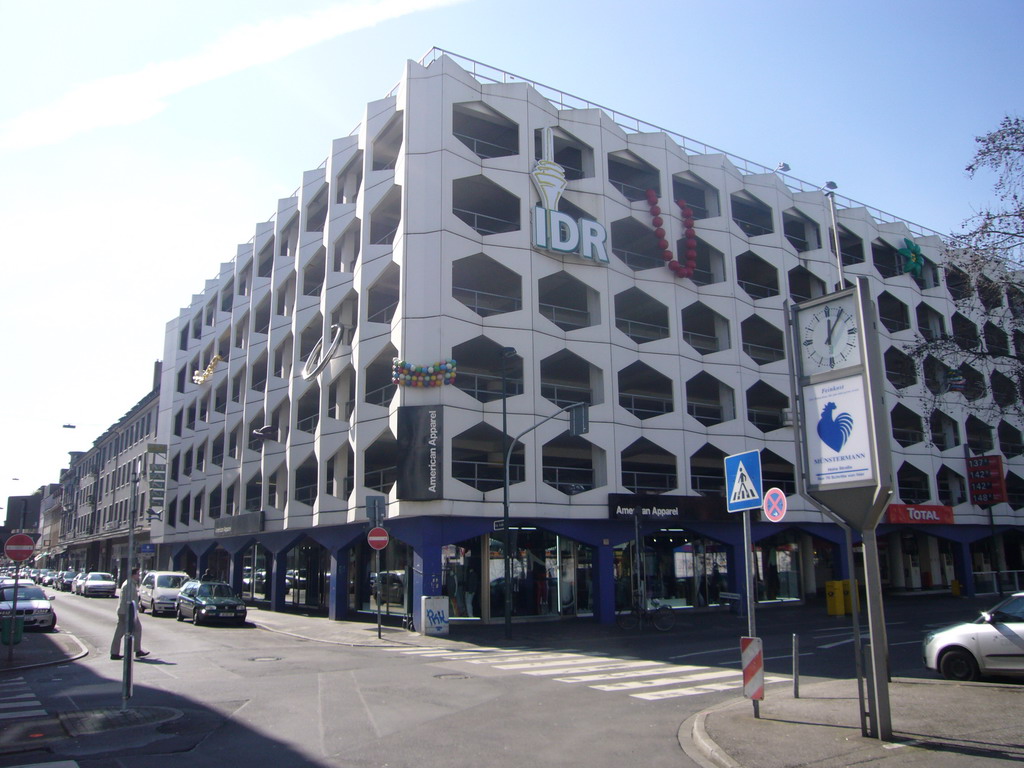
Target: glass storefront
[
  {"x": 390, "y": 587},
  {"x": 551, "y": 575},
  {"x": 676, "y": 568},
  {"x": 777, "y": 568},
  {"x": 256, "y": 567},
  {"x": 307, "y": 576}
]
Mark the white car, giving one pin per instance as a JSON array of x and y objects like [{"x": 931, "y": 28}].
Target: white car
[
  {"x": 98, "y": 584},
  {"x": 33, "y": 605},
  {"x": 992, "y": 644},
  {"x": 158, "y": 591}
]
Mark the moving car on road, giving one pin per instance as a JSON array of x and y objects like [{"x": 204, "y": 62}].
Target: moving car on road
[
  {"x": 209, "y": 601},
  {"x": 33, "y": 605},
  {"x": 992, "y": 644},
  {"x": 158, "y": 591},
  {"x": 98, "y": 584}
]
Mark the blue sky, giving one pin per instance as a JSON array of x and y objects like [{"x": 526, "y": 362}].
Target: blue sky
[{"x": 140, "y": 142}]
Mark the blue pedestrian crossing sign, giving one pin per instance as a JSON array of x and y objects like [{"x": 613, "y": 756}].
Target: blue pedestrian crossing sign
[{"x": 743, "y": 481}]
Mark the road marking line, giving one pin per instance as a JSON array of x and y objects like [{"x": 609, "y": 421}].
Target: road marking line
[
  {"x": 23, "y": 713},
  {"x": 698, "y": 690},
  {"x": 666, "y": 670},
  {"x": 612, "y": 665},
  {"x": 634, "y": 684}
]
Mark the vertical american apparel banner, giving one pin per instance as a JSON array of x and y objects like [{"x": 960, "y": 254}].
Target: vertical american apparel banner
[{"x": 420, "y": 452}]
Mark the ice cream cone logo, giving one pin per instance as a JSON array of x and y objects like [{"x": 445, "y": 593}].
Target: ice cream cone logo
[{"x": 549, "y": 179}]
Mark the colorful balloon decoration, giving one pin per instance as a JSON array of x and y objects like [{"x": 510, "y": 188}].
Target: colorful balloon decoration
[
  {"x": 685, "y": 266},
  {"x": 411, "y": 375}
]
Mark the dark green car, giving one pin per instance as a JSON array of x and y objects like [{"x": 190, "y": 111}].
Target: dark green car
[{"x": 208, "y": 602}]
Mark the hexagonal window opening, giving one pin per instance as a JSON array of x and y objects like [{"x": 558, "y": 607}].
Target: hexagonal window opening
[
  {"x": 937, "y": 375},
  {"x": 576, "y": 157},
  {"x": 710, "y": 401},
  {"x": 989, "y": 293},
  {"x": 1011, "y": 441},
  {"x": 701, "y": 197},
  {"x": 635, "y": 245},
  {"x": 952, "y": 489},
  {"x": 801, "y": 231},
  {"x": 996, "y": 340},
  {"x": 751, "y": 214},
  {"x": 756, "y": 276},
  {"x": 958, "y": 284},
  {"x": 478, "y": 458},
  {"x": 979, "y": 435},
  {"x": 907, "y": 426},
  {"x": 886, "y": 260},
  {"x": 912, "y": 484},
  {"x": 1004, "y": 391},
  {"x": 970, "y": 383},
  {"x": 572, "y": 465},
  {"x": 804, "y": 285},
  {"x": 851, "y": 246},
  {"x": 487, "y": 132},
  {"x": 945, "y": 432},
  {"x": 388, "y": 144},
  {"x": 766, "y": 407},
  {"x": 380, "y": 463},
  {"x": 762, "y": 342},
  {"x": 568, "y": 302},
  {"x": 566, "y": 378},
  {"x": 483, "y": 205},
  {"x": 485, "y": 286},
  {"x": 480, "y": 363},
  {"x": 382, "y": 296},
  {"x": 777, "y": 472},
  {"x": 894, "y": 314},
  {"x": 648, "y": 468},
  {"x": 386, "y": 218},
  {"x": 899, "y": 368},
  {"x": 645, "y": 392},
  {"x": 380, "y": 389},
  {"x": 704, "y": 329},
  {"x": 710, "y": 263},
  {"x": 640, "y": 316},
  {"x": 707, "y": 471},
  {"x": 632, "y": 176},
  {"x": 1014, "y": 491},
  {"x": 930, "y": 324},
  {"x": 1014, "y": 300},
  {"x": 965, "y": 333}
]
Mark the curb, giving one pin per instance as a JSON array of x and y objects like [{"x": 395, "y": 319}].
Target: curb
[
  {"x": 346, "y": 643},
  {"x": 699, "y": 746},
  {"x": 82, "y": 652}
]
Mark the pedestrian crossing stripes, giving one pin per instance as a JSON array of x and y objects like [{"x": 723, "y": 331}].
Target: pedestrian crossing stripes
[
  {"x": 17, "y": 700},
  {"x": 639, "y": 678}
]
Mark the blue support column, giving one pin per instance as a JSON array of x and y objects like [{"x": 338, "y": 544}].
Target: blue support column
[
  {"x": 337, "y": 600},
  {"x": 278, "y": 582},
  {"x": 236, "y": 572},
  {"x": 604, "y": 584},
  {"x": 963, "y": 567},
  {"x": 426, "y": 576}
]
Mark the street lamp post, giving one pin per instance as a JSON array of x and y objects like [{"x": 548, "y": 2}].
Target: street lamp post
[
  {"x": 507, "y": 353},
  {"x": 830, "y": 195}
]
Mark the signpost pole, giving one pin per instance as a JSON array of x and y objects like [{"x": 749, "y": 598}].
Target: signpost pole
[
  {"x": 880, "y": 713},
  {"x": 376, "y": 568},
  {"x": 748, "y": 564},
  {"x": 19, "y": 548}
]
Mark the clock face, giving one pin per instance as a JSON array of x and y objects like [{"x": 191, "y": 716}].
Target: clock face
[{"x": 830, "y": 336}]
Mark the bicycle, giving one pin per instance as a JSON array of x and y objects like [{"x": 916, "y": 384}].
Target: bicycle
[{"x": 661, "y": 616}]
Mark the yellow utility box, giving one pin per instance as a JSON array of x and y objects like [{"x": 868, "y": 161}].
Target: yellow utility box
[
  {"x": 847, "y": 599},
  {"x": 834, "y": 600}
]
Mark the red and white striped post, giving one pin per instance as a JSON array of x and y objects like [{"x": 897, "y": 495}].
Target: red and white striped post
[{"x": 752, "y": 661}]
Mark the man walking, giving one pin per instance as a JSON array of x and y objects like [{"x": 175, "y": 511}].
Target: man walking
[{"x": 128, "y": 603}]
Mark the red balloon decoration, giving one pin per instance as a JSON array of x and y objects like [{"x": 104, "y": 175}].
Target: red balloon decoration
[{"x": 689, "y": 236}]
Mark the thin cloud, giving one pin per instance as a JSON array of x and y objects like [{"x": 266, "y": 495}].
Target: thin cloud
[{"x": 134, "y": 97}]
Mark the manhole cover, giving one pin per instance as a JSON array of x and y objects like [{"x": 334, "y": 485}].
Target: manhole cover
[
  {"x": 451, "y": 676},
  {"x": 265, "y": 658}
]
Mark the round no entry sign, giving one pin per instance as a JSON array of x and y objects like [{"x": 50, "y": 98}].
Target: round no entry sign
[
  {"x": 377, "y": 538},
  {"x": 19, "y": 547},
  {"x": 774, "y": 504}
]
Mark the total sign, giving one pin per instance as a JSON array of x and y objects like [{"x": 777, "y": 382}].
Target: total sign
[{"x": 557, "y": 231}]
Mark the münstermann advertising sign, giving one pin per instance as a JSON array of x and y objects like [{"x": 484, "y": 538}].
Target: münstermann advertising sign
[{"x": 837, "y": 432}]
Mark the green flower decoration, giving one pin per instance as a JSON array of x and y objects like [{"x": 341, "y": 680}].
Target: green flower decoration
[{"x": 913, "y": 259}]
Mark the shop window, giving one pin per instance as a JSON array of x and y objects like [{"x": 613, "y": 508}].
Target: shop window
[
  {"x": 551, "y": 575},
  {"x": 777, "y": 568}
]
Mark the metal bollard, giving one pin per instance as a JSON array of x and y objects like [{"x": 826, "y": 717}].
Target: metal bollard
[{"x": 796, "y": 666}]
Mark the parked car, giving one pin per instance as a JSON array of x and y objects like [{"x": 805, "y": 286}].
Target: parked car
[
  {"x": 76, "y": 584},
  {"x": 208, "y": 601},
  {"x": 63, "y": 580},
  {"x": 98, "y": 584},
  {"x": 992, "y": 644},
  {"x": 33, "y": 605},
  {"x": 45, "y": 577},
  {"x": 158, "y": 591}
]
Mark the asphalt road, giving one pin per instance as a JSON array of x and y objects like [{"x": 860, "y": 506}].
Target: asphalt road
[{"x": 253, "y": 697}]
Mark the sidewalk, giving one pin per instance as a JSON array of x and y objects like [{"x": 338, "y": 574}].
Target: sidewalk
[{"x": 936, "y": 723}]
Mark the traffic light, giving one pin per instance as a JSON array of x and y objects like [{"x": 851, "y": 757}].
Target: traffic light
[{"x": 579, "y": 420}]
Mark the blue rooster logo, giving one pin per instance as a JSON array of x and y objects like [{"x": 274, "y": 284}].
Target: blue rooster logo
[{"x": 834, "y": 430}]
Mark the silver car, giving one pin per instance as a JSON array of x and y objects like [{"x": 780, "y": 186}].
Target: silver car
[
  {"x": 992, "y": 644},
  {"x": 98, "y": 584},
  {"x": 33, "y": 605}
]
